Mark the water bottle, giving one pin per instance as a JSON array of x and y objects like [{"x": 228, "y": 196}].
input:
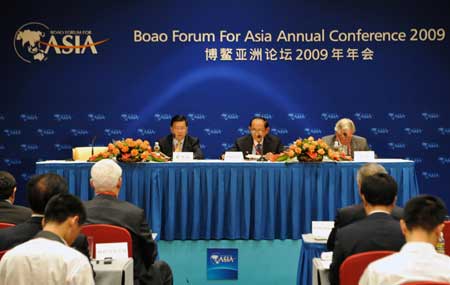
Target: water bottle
[
  {"x": 336, "y": 146},
  {"x": 440, "y": 246},
  {"x": 156, "y": 148}
]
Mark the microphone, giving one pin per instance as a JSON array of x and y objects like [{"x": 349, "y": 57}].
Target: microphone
[{"x": 92, "y": 145}]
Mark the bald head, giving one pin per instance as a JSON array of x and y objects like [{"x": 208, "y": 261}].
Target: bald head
[{"x": 106, "y": 175}]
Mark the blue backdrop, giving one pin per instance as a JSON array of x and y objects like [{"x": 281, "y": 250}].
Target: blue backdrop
[{"x": 396, "y": 92}]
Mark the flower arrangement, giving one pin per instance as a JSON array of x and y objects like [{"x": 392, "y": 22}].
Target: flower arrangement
[
  {"x": 129, "y": 150},
  {"x": 309, "y": 150}
]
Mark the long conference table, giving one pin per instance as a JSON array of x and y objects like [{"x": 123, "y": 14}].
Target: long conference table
[{"x": 213, "y": 199}]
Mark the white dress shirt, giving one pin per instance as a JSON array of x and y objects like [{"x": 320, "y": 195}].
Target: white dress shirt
[
  {"x": 416, "y": 261},
  {"x": 44, "y": 261}
]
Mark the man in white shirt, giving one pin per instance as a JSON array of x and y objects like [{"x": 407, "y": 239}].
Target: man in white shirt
[
  {"x": 417, "y": 260},
  {"x": 48, "y": 259}
]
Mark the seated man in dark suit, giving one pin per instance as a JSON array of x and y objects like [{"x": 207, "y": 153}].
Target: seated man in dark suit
[
  {"x": 105, "y": 208},
  {"x": 259, "y": 141},
  {"x": 179, "y": 140},
  {"x": 48, "y": 258},
  {"x": 344, "y": 136},
  {"x": 40, "y": 189},
  {"x": 353, "y": 213},
  {"x": 378, "y": 231},
  {"x": 10, "y": 213}
]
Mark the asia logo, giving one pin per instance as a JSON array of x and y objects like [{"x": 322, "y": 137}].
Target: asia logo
[
  {"x": 196, "y": 116},
  {"x": 313, "y": 131},
  {"x": 363, "y": 116},
  {"x": 222, "y": 263},
  {"x": 329, "y": 116},
  {"x": 211, "y": 132},
  {"x": 34, "y": 42},
  {"x": 229, "y": 116},
  {"x": 296, "y": 116},
  {"x": 280, "y": 131}
]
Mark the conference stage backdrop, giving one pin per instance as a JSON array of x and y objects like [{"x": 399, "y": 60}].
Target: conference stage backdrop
[{"x": 80, "y": 70}]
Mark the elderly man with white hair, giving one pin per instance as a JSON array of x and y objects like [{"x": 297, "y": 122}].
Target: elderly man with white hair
[
  {"x": 106, "y": 208},
  {"x": 344, "y": 136}
]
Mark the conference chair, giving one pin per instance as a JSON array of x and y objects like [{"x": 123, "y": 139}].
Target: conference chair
[
  {"x": 426, "y": 283},
  {"x": 447, "y": 237},
  {"x": 2, "y": 253},
  {"x": 353, "y": 266},
  {"x": 104, "y": 233},
  {"x": 6, "y": 225}
]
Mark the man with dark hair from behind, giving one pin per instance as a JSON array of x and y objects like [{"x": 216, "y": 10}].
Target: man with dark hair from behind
[
  {"x": 417, "y": 260},
  {"x": 10, "y": 213},
  {"x": 353, "y": 213},
  {"x": 378, "y": 231},
  {"x": 48, "y": 258},
  {"x": 40, "y": 189},
  {"x": 179, "y": 140}
]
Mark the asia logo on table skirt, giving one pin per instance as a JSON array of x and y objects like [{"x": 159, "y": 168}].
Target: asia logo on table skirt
[
  {"x": 35, "y": 42},
  {"x": 222, "y": 263}
]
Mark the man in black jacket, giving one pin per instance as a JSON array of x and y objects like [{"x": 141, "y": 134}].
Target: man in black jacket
[
  {"x": 10, "y": 213},
  {"x": 105, "y": 208},
  {"x": 40, "y": 188},
  {"x": 353, "y": 213},
  {"x": 259, "y": 141},
  {"x": 179, "y": 140},
  {"x": 378, "y": 231}
]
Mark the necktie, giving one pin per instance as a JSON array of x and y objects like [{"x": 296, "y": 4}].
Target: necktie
[
  {"x": 258, "y": 149},
  {"x": 178, "y": 147}
]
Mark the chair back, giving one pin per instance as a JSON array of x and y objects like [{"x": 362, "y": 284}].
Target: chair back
[
  {"x": 447, "y": 237},
  {"x": 2, "y": 253},
  {"x": 104, "y": 233},
  {"x": 353, "y": 266},
  {"x": 6, "y": 225}
]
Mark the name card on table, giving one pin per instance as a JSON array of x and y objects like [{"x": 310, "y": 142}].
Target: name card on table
[
  {"x": 115, "y": 250},
  {"x": 234, "y": 156},
  {"x": 321, "y": 229},
  {"x": 364, "y": 156},
  {"x": 179, "y": 156}
]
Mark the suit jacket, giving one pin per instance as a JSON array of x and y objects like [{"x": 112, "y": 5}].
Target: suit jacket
[
  {"x": 357, "y": 144},
  {"x": 271, "y": 144},
  {"x": 190, "y": 144},
  {"x": 351, "y": 214},
  {"x": 13, "y": 214},
  {"x": 12, "y": 236},
  {"x": 378, "y": 231},
  {"x": 106, "y": 209}
]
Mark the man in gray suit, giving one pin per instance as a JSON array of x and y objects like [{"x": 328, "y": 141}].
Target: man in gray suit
[
  {"x": 344, "y": 136},
  {"x": 106, "y": 208}
]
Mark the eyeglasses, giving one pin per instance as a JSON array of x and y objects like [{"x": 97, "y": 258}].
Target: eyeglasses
[{"x": 256, "y": 131}]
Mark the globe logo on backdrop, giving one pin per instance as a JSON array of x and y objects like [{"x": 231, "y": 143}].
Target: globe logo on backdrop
[
  {"x": 313, "y": 131},
  {"x": 296, "y": 116},
  {"x": 329, "y": 116},
  {"x": 196, "y": 116},
  {"x": 280, "y": 131},
  {"x": 28, "y": 41},
  {"x": 146, "y": 132},
  {"x": 396, "y": 116},
  {"x": 363, "y": 116},
  {"x": 229, "y": 116},
  {"x": 430, "y": 175},
  {"x": 33, "y": 42}
]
